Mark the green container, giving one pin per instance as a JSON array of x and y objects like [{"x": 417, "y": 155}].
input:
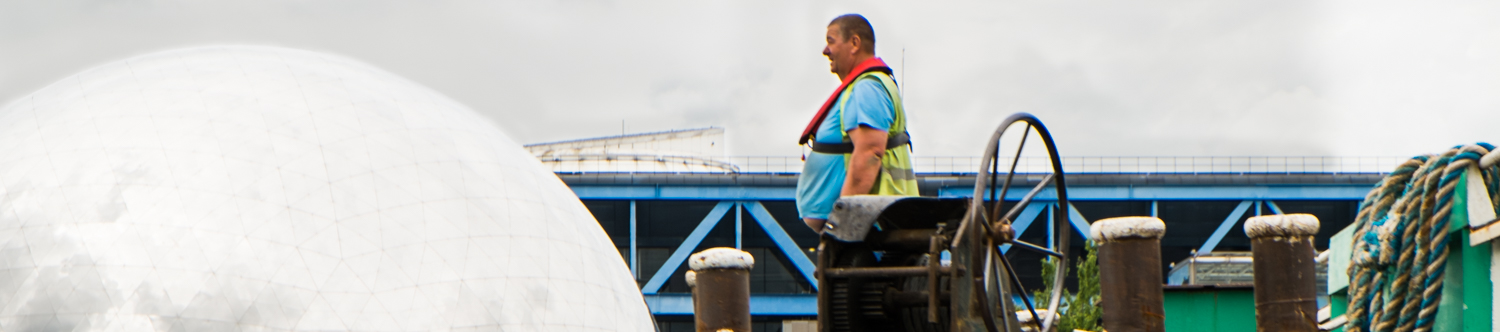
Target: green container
[{"x": 1209, "y": 308}]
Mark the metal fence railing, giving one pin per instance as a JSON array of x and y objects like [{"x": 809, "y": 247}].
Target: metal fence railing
[
  {"x": 963, "y": 165},
  {"x": 1214, "y": 164}
]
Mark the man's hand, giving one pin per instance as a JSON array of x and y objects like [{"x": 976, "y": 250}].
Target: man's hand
[
  {"x": 815, "y": 224},
  {"x": 864, "y": 163}
]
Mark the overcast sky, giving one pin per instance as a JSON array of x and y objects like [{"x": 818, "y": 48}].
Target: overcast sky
[{"x": 1147, "y": 78}]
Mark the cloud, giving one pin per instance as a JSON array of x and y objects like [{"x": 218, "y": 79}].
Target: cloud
[{"x": 1139, "y": 78}]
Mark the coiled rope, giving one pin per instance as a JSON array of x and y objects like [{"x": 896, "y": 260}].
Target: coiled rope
[{"x": 1401, "y": 249}]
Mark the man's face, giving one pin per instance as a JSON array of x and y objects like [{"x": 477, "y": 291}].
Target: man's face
[{"x": 840, "y": 51}]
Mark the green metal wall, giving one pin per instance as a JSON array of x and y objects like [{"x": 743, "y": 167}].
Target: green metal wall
[{"x": 1209, "y": 309}]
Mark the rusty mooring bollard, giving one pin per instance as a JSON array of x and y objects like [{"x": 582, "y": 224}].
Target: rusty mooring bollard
[
  {"x": 1286, "y": 284},
  {"x": 1130, "y": 273},
  {"x": 721, "y": 299}
]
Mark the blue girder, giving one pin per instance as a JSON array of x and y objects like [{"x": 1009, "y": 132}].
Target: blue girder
[
  {"x": 1082, "y": 193},
  {"x": 760, "y": 304}
]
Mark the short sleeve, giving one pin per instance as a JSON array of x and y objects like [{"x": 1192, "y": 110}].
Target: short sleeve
[{"x": 869, "y": 105}]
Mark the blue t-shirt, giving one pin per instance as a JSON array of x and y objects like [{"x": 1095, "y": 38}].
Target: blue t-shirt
[{"x": 823, "y": 174}]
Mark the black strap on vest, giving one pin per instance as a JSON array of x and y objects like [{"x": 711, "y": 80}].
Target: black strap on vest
[{"x": 891, "y": 142}]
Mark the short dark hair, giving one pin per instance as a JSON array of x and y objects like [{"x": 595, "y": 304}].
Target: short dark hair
[{"x": 856, "y": 25}]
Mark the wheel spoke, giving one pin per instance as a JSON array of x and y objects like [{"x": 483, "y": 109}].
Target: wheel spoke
[
  {"x": 1036, "y": 248},
  {"x": 982, "y": 286},
  {"x": 994, "y": 174},
  {"x": 1008, "y": 176},
  {"x": 1060, "y": 263},
  {"x": 1015, "y": 282},
  {"x": 1015, "y": 210}
]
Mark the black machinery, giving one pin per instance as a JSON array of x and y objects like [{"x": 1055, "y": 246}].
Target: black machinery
[{"x": 890, "y": 263}]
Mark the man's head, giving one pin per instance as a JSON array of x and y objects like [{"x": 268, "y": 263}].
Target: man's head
[{"x": 851, "y": 40}]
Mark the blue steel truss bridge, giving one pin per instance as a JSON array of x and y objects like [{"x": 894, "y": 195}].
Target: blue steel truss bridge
[{"x": 659, "y": 214}]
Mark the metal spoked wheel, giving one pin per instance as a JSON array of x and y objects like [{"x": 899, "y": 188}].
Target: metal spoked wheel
[{"x": 989, "y": 224}]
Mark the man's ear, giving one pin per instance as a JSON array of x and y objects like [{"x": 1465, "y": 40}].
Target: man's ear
[{"x": 859, "y": 43}]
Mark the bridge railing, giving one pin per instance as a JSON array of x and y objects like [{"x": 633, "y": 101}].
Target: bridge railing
[
  {"x": 963, "y": 165},
  {"x": 1214, "y": 164}
]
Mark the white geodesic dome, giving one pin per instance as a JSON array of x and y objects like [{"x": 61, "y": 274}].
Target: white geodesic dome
[{"x": 270, "y": 189}]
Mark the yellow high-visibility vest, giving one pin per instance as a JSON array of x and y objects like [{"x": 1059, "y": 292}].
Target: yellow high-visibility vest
[{"x": 896, "y": 175}]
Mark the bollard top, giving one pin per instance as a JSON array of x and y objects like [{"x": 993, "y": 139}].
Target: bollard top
[
  {"x": 1127, "y": 227},
  {"x": 721, "y": 258},
  {"x": 1282, "y": 225},
  {"x": 692, "y": 278}
]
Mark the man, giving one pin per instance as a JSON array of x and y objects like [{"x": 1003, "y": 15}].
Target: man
[{"x": 859, "y": 140}]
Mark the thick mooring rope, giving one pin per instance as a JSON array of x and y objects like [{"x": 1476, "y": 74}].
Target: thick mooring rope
[{"x": 1401, "y": 249}]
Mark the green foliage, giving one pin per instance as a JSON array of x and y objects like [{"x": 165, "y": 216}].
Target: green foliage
[{"x": 1080, "y": 311}]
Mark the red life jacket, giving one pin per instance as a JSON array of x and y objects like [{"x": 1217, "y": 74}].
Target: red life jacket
[{"x": 872, "y": 64}]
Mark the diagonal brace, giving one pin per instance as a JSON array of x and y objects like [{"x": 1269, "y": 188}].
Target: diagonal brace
[
  {"x": 1224, "y": 227},
  {"x": 783, "y": 241},
  {"x": 1274, "y": 209},
  {"x": 1079, "y": 223},
  {"x": 686, "y": 248}
]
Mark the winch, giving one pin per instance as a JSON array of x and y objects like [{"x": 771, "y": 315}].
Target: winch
[{"x": 895, "y": 263}]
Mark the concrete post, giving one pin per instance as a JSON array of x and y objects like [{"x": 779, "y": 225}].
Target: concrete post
[
  {"x": 1130, "y": 275},
  {"x": 721, "y": 300},
  {"x": 1286, "y": 284}
]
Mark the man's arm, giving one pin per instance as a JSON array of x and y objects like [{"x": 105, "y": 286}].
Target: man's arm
[{"x": 864, "y": 163}]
